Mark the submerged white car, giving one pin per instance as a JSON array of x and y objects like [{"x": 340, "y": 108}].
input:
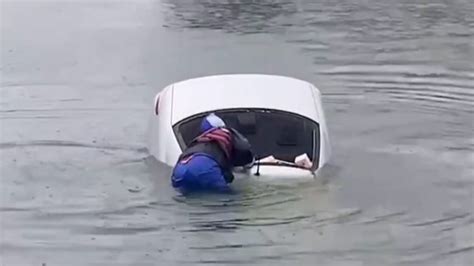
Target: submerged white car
[{"x": 282, "y": 118}]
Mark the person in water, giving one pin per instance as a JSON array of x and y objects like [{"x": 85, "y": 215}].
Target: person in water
[{"x": 207, "y": 162}]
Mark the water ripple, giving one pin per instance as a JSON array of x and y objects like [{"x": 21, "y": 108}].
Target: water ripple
[
  {"x": 69, "y": 144},
  {"x": 233, "y": 246},
  {"x": 441, "y": 220},
  {"x": 210, "y": 225}
]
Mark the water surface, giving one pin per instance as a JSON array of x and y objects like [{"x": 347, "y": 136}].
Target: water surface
[{"x": 77, "y": 86}]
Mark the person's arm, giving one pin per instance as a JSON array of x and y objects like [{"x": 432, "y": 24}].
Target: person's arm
[
  {"x": 228, "y": 176},
  {"x": 242, "y": 152}
]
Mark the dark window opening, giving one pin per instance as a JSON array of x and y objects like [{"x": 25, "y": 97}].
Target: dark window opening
[{"x": 281, "y": 134}]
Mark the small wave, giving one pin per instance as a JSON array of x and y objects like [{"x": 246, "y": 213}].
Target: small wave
[
  {"x": 130, "y": 161},
  {"x": 95, "y": 109},
  {"x": 397, "y": 70},
  {"x": 123, "y": 230},
  {"x": 74, "y": 211},
  {"x": 456, "y": 184},
  {"x": 233, "y": 246},
  {"x": 340, "y": 216},
  {"x": 459, "y": 250},
  {"x": 382, "y": 218},
  {"x": 441, "y": 220},
  {"x": 33, "y": 117},
  {"x": 222, "y": 262},
  {"x": 227, "y": 224},
  {"x": 243, "y": 261},
  {"x": 428, "y": 87},
  {"x": 69, "y": 144},
  {"x": 260, "y": 198},
  {"x": 15, "y": 209}
]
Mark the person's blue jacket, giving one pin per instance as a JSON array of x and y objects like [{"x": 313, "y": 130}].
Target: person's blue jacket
[{"x": 208, "y": 161}]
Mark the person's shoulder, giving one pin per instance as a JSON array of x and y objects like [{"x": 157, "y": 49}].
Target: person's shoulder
[
  {"x": 219, "y": 129},
  {"x": 230, "y": 130}
]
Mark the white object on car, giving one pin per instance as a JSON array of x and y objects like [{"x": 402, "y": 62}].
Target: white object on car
[
  {"x": 268, "y": 159},
  {"x": 303, "y": 161}
]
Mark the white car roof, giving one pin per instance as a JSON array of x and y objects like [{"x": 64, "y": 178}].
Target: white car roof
[{"x": 218, "y": 92}]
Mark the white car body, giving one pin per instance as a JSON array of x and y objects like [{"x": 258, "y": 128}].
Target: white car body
[{"x": 244, "y": 93}]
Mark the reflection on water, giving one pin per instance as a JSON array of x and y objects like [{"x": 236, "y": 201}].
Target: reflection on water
[{"x": 78, "y": 187}]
